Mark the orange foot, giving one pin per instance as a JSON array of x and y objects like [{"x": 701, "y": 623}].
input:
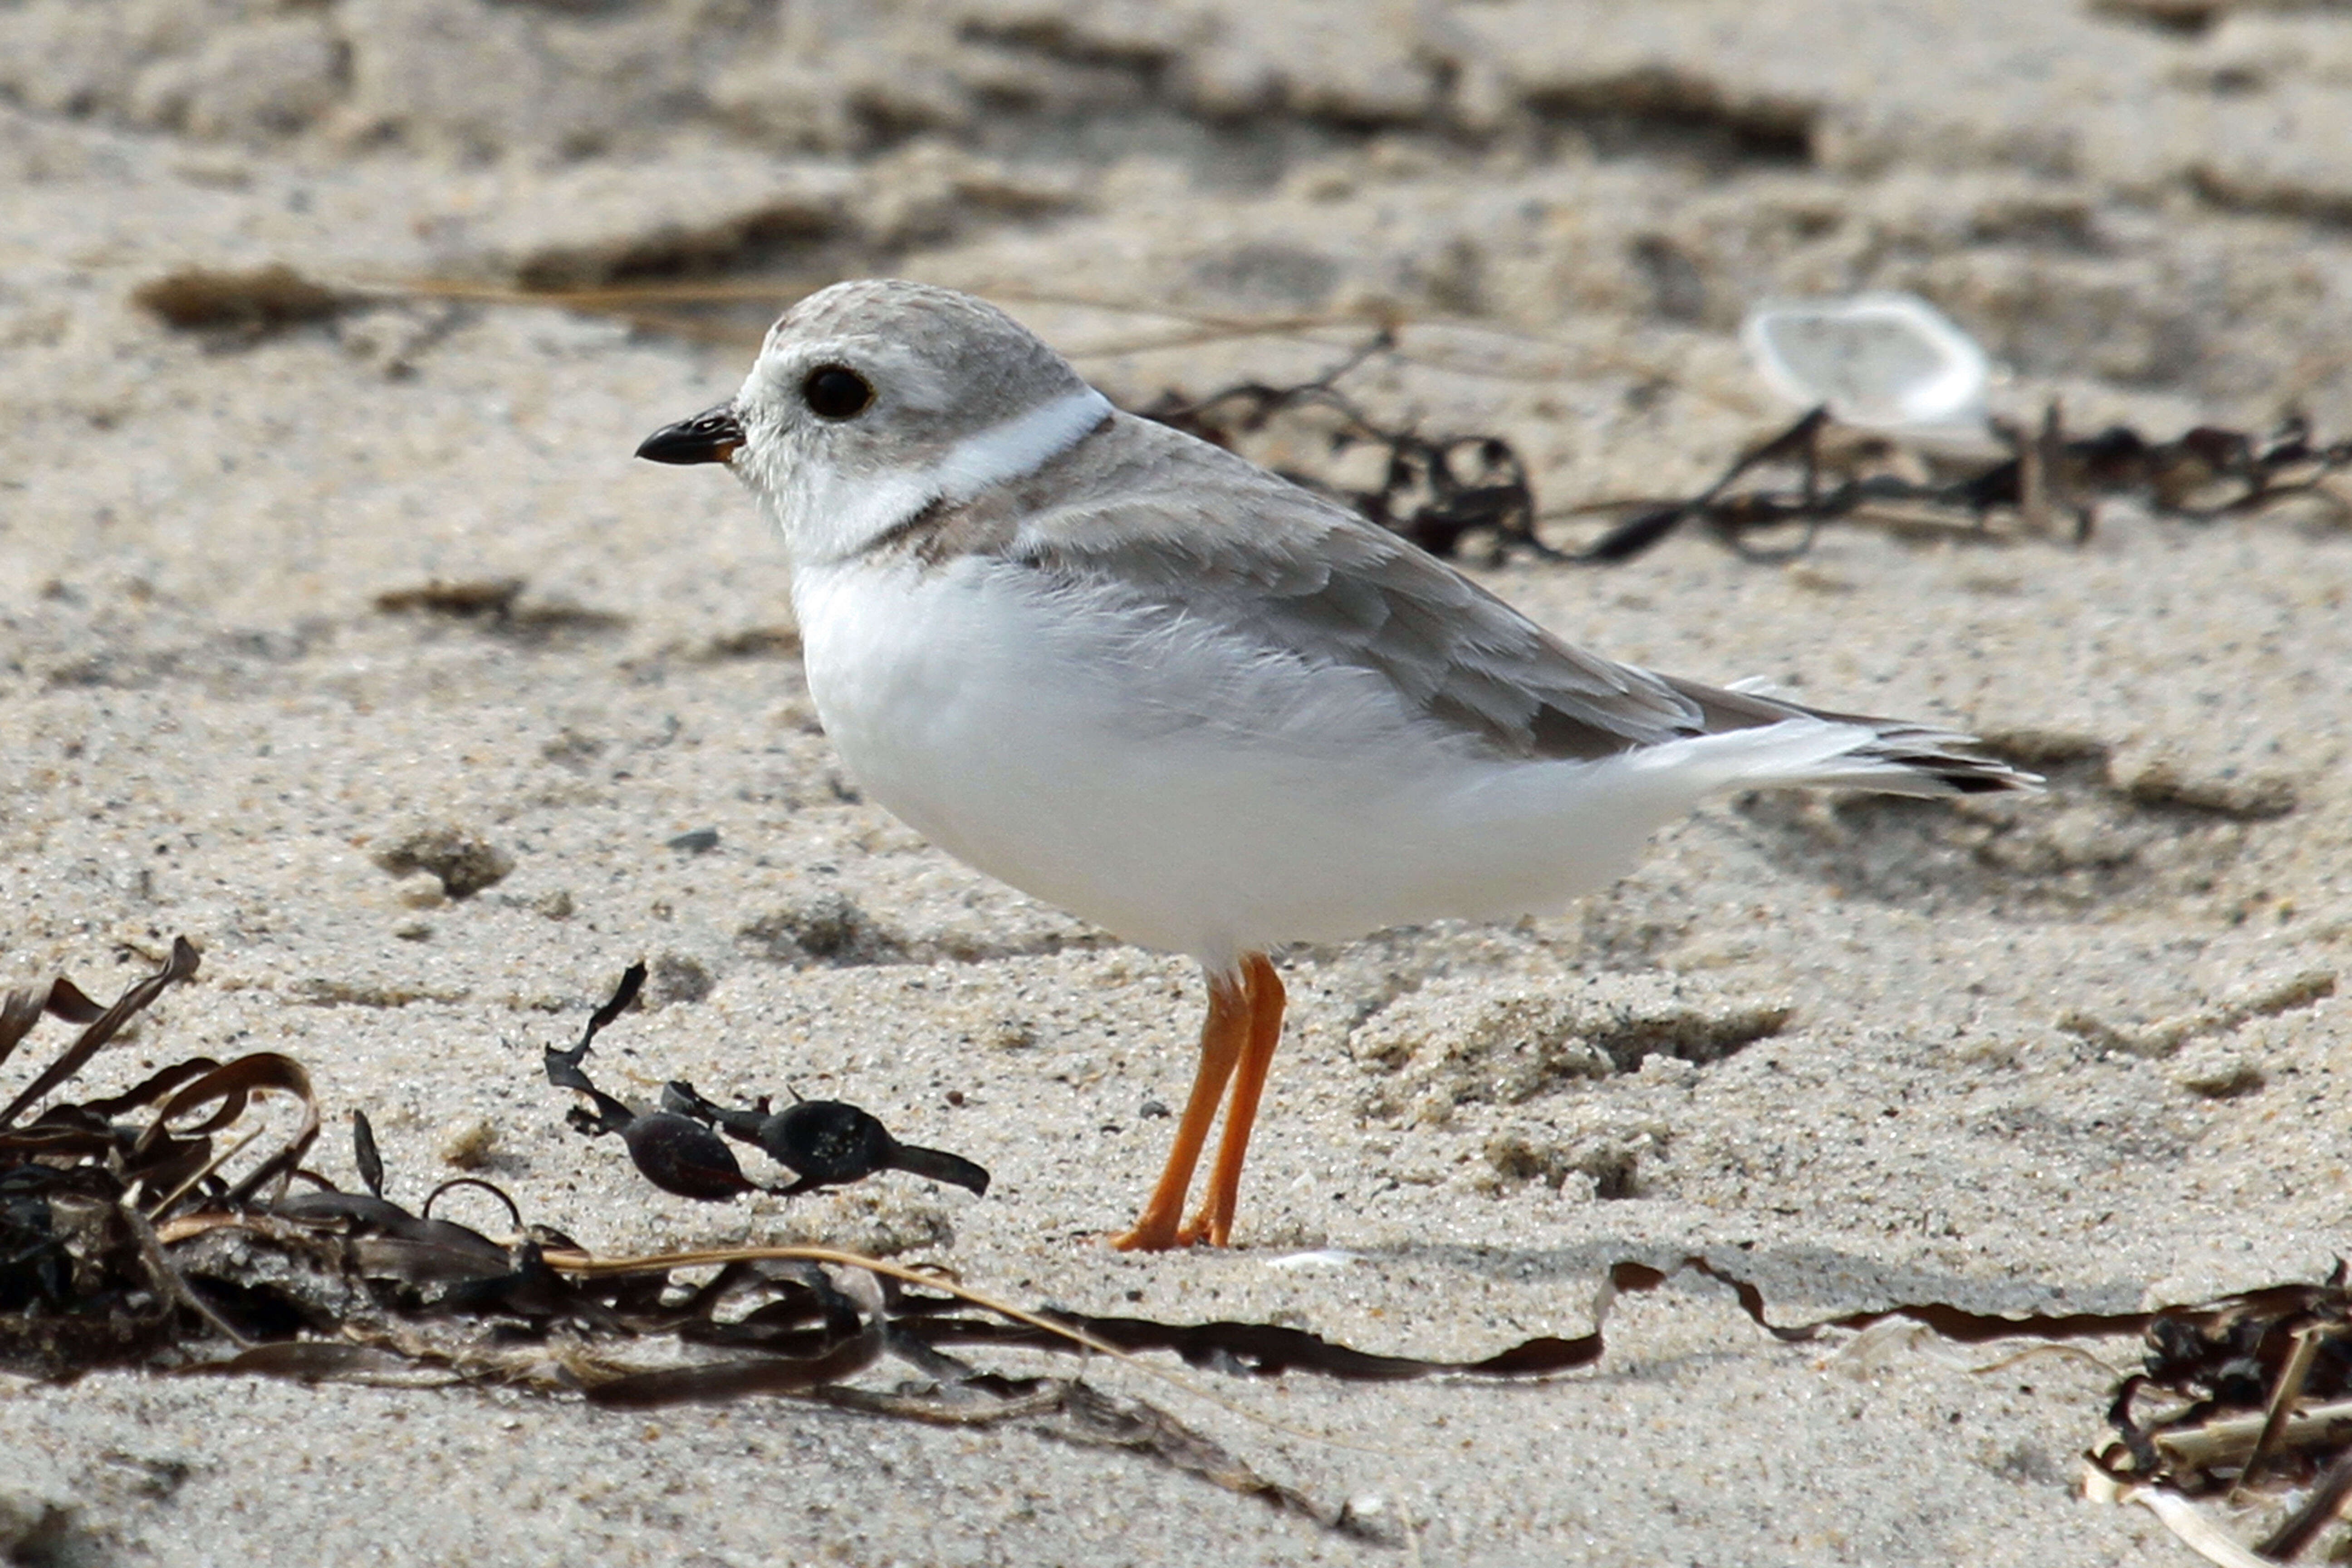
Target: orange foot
[
  {"x": 1237, "y": 1047},
  {"x": 1146, "y": 1236}
]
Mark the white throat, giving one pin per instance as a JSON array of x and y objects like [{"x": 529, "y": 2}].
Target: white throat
[{"x": 826, "y": 516}]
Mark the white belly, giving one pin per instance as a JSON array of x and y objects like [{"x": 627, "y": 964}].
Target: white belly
[{"x": 1152, "y": 774}]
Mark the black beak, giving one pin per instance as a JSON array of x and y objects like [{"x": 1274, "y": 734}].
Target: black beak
[{"x": 711, "y": 436}]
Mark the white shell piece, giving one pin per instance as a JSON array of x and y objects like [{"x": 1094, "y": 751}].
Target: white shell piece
[{"x": 1883, "y": 361}]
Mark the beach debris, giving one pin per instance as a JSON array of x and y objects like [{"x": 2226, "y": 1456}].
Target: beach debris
[
  {"x": 83, "y": 1279},
  {"x": 1896, "y": 438},
  {"x": 1879, "y": 361},
  {"x": 1817, "y": 471},
  {"x": 2243, "y": 1404},
  {"x": 470, "y": 1143},
  {"x": 175, "y": 1226},
  {"x": 751, "y": 641},
  {"x": 461, "y": 860},
  {"x": 825, "y": 928},
  {"x": 496, "y": 605},
  {"x": 485, "y": 599},
  {"x": 251, "y": 305},
  {"x": 168, "y": 1241},
  {"x": 674, "y": 1152},
  {"x": 823, "y": 1142}
]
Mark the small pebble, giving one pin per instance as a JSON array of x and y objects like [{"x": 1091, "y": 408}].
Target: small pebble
[
  {"x": 468, "y": 1143},
  {"x": 2216, "y": 1071}
]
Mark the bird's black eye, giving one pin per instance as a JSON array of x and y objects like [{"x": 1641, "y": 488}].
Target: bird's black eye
[{"x": 837, "y": 391}]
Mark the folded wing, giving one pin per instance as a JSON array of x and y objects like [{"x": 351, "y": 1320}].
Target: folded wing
[{"x": 1158, "y": 513}]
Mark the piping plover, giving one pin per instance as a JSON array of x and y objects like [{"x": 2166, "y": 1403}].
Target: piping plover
[{"x": 1136, "y": 676}]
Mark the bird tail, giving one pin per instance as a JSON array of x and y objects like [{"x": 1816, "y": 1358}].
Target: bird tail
[{"x": 1793, "y": 745}]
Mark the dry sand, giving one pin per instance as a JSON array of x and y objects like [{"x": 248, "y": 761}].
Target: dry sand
[{"x": 2077, "y": 1052}]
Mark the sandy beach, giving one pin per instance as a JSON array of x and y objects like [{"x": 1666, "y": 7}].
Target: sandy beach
[{"x": 2083, "y": 1052}]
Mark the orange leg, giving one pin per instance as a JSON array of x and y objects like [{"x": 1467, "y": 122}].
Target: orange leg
[
  {"x": 1221, "y": 1041},
  {"x": 1214, "y": 1222}
]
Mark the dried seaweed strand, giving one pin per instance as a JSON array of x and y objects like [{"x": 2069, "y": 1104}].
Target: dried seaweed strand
[
  {"x": 102, "y": 1028},
  {"x": 2284, "y": 1395},
  {"x": 2317, "y": 1511}
]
